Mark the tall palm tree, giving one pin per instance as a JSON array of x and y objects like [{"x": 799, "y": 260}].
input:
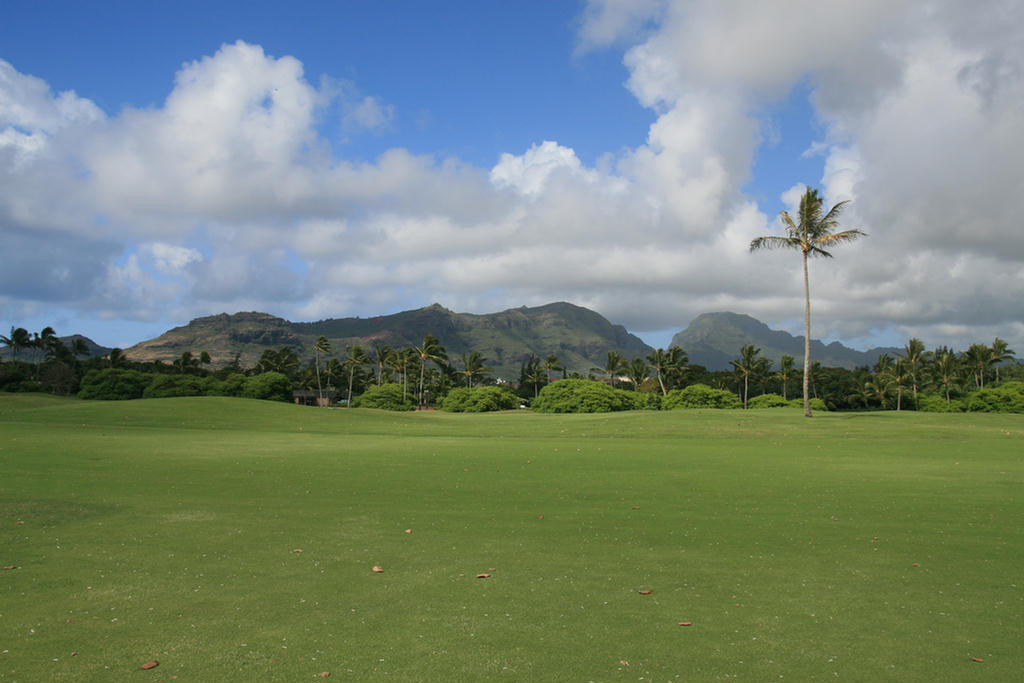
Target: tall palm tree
[
  {"x": 430, "y": 350},
  {"x": 116, "y": 358},
  {"x": 323, "y": 346},
  {"x": 812, "y": 234},
  {"x": 746, "y": 365}
]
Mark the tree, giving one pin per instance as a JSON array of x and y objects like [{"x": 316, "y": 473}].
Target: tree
[
  {"x": 946, "y": 371},
  {"x": 978, "y": 358},
  {"x": 381, "y": 358},
  {"x": 186, "y": 363},
  {"x": 552, "y": 364},
  {"x": 637, "y": 371},
  {"x": 812, "y": 234},
  {"x": 429, "y": 350},
  {"x": 116, "y": 358},
  {"x": 473, "y": 366},
  {"x": 18, "y": 341},
  {"x": 746, "y": 365},
  {"x": 914, "y": 356},
  {"x": 355, "y": 358},
  {"x": 785, "y": 373},
  {"x": 659, "y": 361},
  {"x": 615, "y": 364},
  {"x": 1000, "y": 354},
  {"x": 322, "y": 345}
]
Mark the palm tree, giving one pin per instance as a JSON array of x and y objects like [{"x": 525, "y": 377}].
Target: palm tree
[
  {"x": 551, "y": 364},
  {"x": 812, "y": 235},
  {"x": 978, "y": 358},
  {"x": 947, "y": 370},
  {"x": 116, "y": 358},
  {"x": 534, "y": 373},
  {"x": 746, "y": 365},
  {"x": 381, "y": 356},
  {"x": 637, "y": 371},
  {"x": 915, "y": 357},
  {"x": 659, "y": 361},
  {"x": 355, "y": 358},
  {"x": 784, "y": 373},
  {"x": 186, "y": 362},
  {"x": 323, "y": 346},
  {"x": 18, "y": 341},
  {"x": 473, "y": 364},
  {"x": 430, "y": 350},
  {"x": 615, "y": 364},
  {"x": 1000, "y": 354}
]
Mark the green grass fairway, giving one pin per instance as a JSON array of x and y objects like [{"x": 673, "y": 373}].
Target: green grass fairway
[{"x": 859, "y": 547}]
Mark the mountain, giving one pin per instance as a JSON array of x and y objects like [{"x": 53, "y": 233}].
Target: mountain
[
  {"x": 579, "y": 337},
  {"x": 714, "y": 339}
]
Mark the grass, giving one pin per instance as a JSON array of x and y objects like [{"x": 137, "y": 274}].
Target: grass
[{"x": 861, "y": 547}]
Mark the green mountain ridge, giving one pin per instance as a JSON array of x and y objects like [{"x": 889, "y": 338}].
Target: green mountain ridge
[{"x": 579, "y": 337}]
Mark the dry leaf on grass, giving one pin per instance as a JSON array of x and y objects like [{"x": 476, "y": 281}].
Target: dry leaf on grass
[
  {"x": 151, "y": 664},
  {"x": 686, "y": 623},
  {"x": 483, "y": 576},
  {"x": 378, "y": 569},
  {"x": 645, "y": 592}
]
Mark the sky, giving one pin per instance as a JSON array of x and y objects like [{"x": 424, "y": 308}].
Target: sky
[{"x": 163, "y": 161}]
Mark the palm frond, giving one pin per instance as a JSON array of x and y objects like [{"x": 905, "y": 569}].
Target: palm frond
[{"x": 774, "y": 242}]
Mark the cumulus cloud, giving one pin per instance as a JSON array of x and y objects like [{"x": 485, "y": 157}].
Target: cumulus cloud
[{"x": 226, "y": 197}]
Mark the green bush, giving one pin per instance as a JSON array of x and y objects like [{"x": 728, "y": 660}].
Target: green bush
[
  {"x": 233, "y": 385},
  {"x": 581, "y": 396},
  {"x": 700, "y": 396},
  {"x": 816, "y": 404},
  {"x": 168, "y": 386},
  {"x": 114, "y": 384},
  {"x": 642, "y": 400},
  {"x": 271, "y": 386},
  {"x": 1006, "y": 398},
  {"x": 770, "y": 401},
  {"x": 479, "y": 400},
  {"x": 386, "y": 397},
  {"x": 930, "y": 403}
]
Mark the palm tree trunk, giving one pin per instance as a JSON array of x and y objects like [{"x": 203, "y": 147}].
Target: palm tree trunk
[{"x": 807, "y": 339}]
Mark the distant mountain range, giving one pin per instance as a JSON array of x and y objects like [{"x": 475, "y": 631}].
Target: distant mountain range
[
  {"x": 579, "y": 337},
  {"x": 714, "y": 339}
]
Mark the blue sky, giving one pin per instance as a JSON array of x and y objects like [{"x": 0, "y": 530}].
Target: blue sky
[{"x": 169, "y": 160}]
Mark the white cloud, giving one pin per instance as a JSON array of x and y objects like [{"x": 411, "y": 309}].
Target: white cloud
[{"x": 226, "y": 197}]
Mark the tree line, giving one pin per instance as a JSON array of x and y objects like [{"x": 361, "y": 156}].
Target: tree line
[{"x": 424, "y": 374}]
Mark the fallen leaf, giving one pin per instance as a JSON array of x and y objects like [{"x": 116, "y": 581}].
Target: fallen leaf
[
  {"x": 540, "y": 516},
  {"x": 976, "y": 659},
  {"x": 408, "y": 531},
  {"x": 297, "y": 550},
  {"x": 483, "y": 576},
  {"x": 324, "y": 674},
  {"x": 10, "y": 566},
  {"x": 151, "y": 665},
  {"x": 377, "y": 568},
  {"x": 74, "y": 654},
  {"x": 636, "y": 507},
  {"x": 915, "y": 565},
  {"x": 686, "y": 623},
  {"x": 623, "y": 662},
  {"x": 645, "y": 592}
]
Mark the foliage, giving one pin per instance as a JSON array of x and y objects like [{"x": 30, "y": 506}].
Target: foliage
[
  {"x": 479, "y": 400},
  {"x": 388, "y": 396},
  {"x": 114, "y": 384},
  {"x": 700, "y": 396},
  {"x": 1005, "y": 398},
  {"x": 930, "y": 403},
  {"x": 581, "y": 396},
  {"x": 641, "y": 400},
  {"x": 270, "y": 386},
  {"x": 815, "y": 403},
  {"x": 770, "y": 401},
  {"x": 168, "y": 386}
]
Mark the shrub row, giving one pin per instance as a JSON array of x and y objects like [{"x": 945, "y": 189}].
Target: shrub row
[{"x": 114, "y": 384}]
